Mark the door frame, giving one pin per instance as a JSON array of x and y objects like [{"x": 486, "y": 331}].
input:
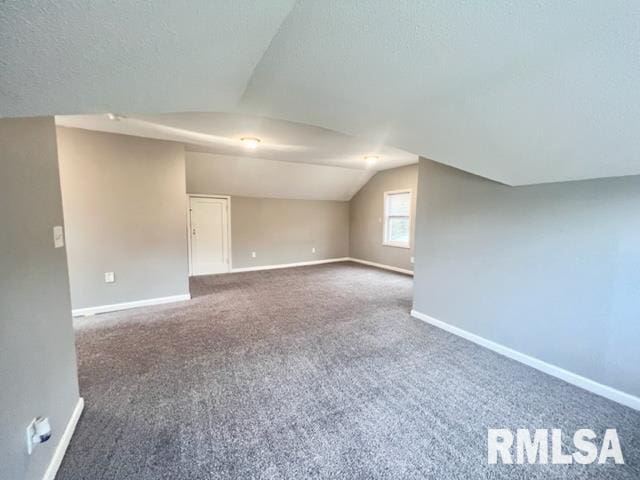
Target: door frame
[{"x": 197, "y": 195}]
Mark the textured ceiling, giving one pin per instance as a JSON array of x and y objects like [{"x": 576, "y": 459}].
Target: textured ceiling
[
  {"x": 79, "y": 56},
  {"x": 517, "y": 91},
  {"x": 220, "y": 133}
]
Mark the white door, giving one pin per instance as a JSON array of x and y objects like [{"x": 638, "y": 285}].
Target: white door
[{"x": 209, "y": 235}]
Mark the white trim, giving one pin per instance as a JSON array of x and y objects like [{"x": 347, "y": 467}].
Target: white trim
[
  {"x": 229, "y": 238},
  {"x": 397, "y": 245},
  {"x": 385, "y": 242},
  {"x": 203, "y": 195},
  {"x": 61, "y": 448},
  {"x": 381, "y": 265},
  {"x": 569, "y": 377},
  {"x": 318, "y": 262},
  {"x": 289, "y": 265},
  {"x": 79, "y": 312}
]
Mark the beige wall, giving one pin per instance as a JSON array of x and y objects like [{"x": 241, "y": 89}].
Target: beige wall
[
  {"x": 278, "y": 230},
  {"x": 366, "y": 218},
  {"x": 37, "y": 354},
  {"x": 125, "y": 208},
  {"x": 285, "y": 231}
]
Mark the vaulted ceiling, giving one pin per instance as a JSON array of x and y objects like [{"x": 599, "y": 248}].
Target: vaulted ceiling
[
  {"x": 518, "y": 91},
  {"x": 292, "y": 160},
  {"x": 221, "y": 133}
]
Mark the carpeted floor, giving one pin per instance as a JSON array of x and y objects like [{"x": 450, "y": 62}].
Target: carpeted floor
[{"x": 314, "y": 372}]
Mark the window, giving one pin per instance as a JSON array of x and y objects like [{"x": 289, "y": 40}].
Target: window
[{"x": 397, "y": 218}]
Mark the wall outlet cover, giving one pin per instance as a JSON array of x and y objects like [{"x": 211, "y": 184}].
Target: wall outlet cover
[
  {"x": 253, "y": 254},
  {"x": 109, "y": 277},
  {"x": 38, "y": 431}
]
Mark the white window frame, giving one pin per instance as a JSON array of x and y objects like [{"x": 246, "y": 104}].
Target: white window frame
[{"x": 385, "y": 242}]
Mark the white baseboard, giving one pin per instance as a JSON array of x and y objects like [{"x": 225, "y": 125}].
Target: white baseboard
[
  {"x": 61, "y": 448},
  {"x": 79, "y": 312},
  {"x": 289, "y": 265},
  {"x": 381, "y": 265},
  {"x": 317, "y": 262},
  {"x": 569, "y": 377}
]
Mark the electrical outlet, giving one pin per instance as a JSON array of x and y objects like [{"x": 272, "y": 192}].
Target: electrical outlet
[
  {"x": 38, "y": 431},
  {"x": 313, "y": 250},
  {"x": 411, "y": 259},
  {"x": 253, "y": 254},
  {"x": 109, "y": 277}
]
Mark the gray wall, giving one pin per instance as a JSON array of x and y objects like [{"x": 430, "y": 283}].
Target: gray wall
[
  {"x": 278, "y": 230},
  {"x": 37, "y": 354},
  {"x": 285, "y": 231},
  {"x": 366, "y": 218},
  {"x": 125, "y": 208},
  {"x": 552, "y": 271}
]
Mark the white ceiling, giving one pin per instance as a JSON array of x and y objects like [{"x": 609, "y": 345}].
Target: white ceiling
[
  {"x": 131, "y": 56},
  {"x": 255, "y": 177},
  {"x": 518, "y": 91},
  {"x": 220, "y": 133}
]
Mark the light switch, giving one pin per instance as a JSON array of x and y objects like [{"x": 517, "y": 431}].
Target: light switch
[
  {"x": 58, "y": 236},
  {"x": 109, "y": 277}
]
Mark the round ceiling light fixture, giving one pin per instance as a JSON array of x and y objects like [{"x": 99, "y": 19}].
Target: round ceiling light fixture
[
  {"x": 250, "y": 142},
  {"x": 115, "y": 117},
  {"x": 371, "y": 160}
]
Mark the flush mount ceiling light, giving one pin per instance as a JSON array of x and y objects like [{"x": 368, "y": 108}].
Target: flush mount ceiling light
[
  {"x": 371, "y": 160},
  {"x": 250, "y": 142},
  {"x": 114, "y": 117}
]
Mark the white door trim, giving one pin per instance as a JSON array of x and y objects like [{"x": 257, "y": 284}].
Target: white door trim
[{"x": 194, "y": 195}]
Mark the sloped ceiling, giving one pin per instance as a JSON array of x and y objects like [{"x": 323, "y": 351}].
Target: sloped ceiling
[
  {"x": 76, "y": 56},
  {"x": 292, "y": 160},
  {"x": 255, "y": 177},
  {"x": 221, "y": 133},
  {"x": 517, "y": 91}
]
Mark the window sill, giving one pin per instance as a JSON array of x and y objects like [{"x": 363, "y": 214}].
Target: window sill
[{"x": 397, "y": 245}]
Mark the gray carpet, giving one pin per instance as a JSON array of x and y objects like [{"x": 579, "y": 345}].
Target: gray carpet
[{"x": 315, "y": 372}]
